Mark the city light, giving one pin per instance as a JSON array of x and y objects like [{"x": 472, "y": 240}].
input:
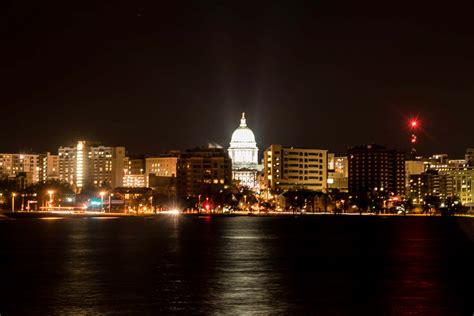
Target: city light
[
  {"x": 50, "y": 192},
  {"x": 79, "y": 164},
  {"x": 413, "y": 123},
  {"x": 171, "y": 212},
  {"x": 102, "y": 193}
]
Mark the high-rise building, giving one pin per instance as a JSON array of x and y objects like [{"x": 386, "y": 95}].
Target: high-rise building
[
  {"x": 12, "y": 165},
  {"x": 292, "y": 168},
  {"x": 134, "y": 173},
  {"x": 49, "y": 167},
  {"x": 338, "y": 173},
  {"x": 243, "y": 151},
  {"x": 470, "y": 156},
  {"x": 376, "y": 168},
  {"x": 413, "y": 167},
  {"x": 430, "y": 183},
  {"x": 135, "y": 165},
  {"x": 463, "y": 182},
  {"x": 91, "y": 164},
  {"x": 135, "y": 180},
  {"x": 202, "y": 171},
  {"x": 459, "y": 175},
  {"x": 161, "y": 166}
]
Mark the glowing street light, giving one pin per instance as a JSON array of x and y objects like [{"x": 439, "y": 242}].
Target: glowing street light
[
  {"x": 13, "y": 202},
  {"x": 102, "y": 193},
  {"x": 50, "y": 192}
]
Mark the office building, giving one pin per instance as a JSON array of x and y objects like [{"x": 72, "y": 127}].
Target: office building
[
  {"x": 161, "y": 166},
  {"x": 470, "y": 156},
  {"x": 429, "y": 184},
  {"x": 293, "y": 168},
  {"x": 463, "y": 182},
  {"x": 90, "y": 164},
  {"x": 13, "y": 165},
  {"x": 203, "y": 171},
  {"x": 135, "y": 180},
  {"x": 338, "y": 173},
  {"x": 376, "y": 168},
  {"x": 49, "y": 167}
]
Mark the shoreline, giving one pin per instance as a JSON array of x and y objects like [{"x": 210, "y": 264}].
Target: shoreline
[{"x": 32, "y": 215}]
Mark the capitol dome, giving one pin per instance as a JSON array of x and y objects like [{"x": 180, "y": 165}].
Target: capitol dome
[
  {"x": 243, "y": 148},
  {"x": 243, "y": 136}
]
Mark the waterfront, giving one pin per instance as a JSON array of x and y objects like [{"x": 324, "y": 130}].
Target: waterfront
[{"x": 238, "y": 265}]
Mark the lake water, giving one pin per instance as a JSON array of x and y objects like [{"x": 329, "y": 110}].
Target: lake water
[{"x": 325, "y": 265}]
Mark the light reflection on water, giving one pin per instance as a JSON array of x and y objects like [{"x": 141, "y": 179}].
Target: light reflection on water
[
  {"x": 237, "y": 265},
  {"x": 244, "y": 272}
]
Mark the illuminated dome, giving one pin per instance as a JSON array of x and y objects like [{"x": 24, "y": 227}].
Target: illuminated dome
[
  {"x": 243, "y": 136},
  {"x": 243, "y": 148}
]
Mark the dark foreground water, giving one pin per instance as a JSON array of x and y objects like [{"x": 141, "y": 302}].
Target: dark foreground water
[{"x": 323, "y": 265}]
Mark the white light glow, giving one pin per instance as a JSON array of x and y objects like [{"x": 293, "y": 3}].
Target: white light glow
[{"x": 171, "y": 212}]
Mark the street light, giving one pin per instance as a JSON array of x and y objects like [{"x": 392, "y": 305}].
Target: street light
[
  {"x": 13, "y": 202},
  {"x": 102, "y": 193},
  {"x": 110, "y": 197},
  {"x": 50, "y": 192}
]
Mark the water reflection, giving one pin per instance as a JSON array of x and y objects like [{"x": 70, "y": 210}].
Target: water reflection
[
  {"x": 246, "y": 279},
  {"x": 413, "y": 266},
  {"x": 79, "y": 270},
  {"x": 237, "y": 265}
]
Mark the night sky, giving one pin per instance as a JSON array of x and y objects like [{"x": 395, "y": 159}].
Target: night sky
[{"x": 153, "y": 77}]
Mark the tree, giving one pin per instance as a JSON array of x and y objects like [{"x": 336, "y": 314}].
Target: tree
[{"x": 431, "y": 202}]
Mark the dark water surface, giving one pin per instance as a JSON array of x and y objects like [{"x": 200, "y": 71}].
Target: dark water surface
[{"x": 325, "y": 265}]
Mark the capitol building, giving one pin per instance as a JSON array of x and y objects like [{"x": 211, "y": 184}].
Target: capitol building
[{"x": 243, "y": 151}]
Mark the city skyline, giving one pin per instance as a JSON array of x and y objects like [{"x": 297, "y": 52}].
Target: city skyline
[
  {"x": 315, "y": 75},
  {"x": 237, "y": 157}
]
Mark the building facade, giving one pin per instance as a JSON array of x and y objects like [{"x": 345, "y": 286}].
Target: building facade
[
  {"x": 470, "y": 156},
  {"x": 376, "y": 168},
  {"x": 161, "y": 166},
  {"x": 90, "y": 164},
  {"x": 49, "y": 167},
  {"x": 292, "y": 168},
  {"x": 413, "y": 167},
  {"x": 463, "y": 182},
  {"x": 203, "y": 171},
  {"x": 135, "y": 180},
  {"x": 243, "y": 152},
  {"x": 28, "y": 165},
  {"x": 429, "y": 184},
  {"x": 338, "y": 173}
]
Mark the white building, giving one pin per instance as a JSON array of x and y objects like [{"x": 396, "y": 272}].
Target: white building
[
  {"x": 290, "y": 168},
  {"x": 463, "y": 181},
  {"x": 91, "y": 164},
  {"x": 135, "y": 181},
  {"x": 163, "y": 166},
  {"x": 243, "y": 152},
  {"x": 11, "y": 165},
  {"x": 338, "y": 173},
  {"x": 49, "y": 167}
]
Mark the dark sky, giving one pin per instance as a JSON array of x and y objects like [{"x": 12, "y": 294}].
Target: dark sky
[{"x": 153, "y": 76}]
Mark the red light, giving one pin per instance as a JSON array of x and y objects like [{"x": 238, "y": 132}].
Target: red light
[
  {"x": 413, "y": 140},
  {"x": 413, "y": 123}
]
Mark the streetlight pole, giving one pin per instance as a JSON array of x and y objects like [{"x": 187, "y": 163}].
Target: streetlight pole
[
  {"x": 110, "y": 198},
  {"x": 50, "y": 192},
  {"x": 102, "y": 200},
  {"x": 13, "y": 202}
]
